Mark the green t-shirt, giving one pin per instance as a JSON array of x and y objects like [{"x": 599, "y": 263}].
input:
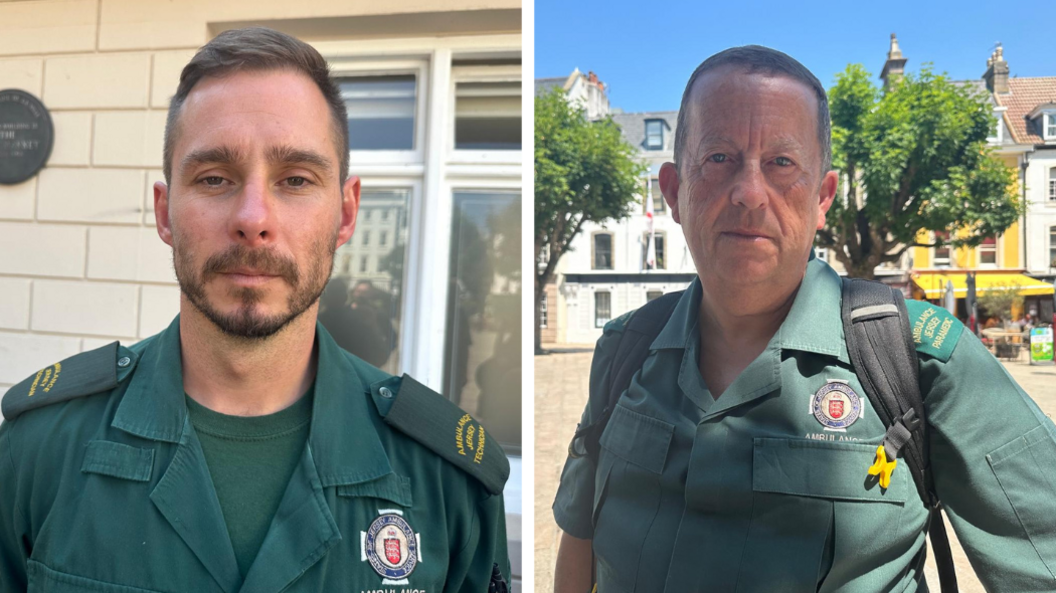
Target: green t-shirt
[{"x": 251, "y": 460}]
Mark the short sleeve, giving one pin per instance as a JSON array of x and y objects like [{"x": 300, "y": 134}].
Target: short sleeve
[
  {"x": 473, "y": 569},
  {"x": 574, "y": 503},
  {"x": 993, "y": 454}
]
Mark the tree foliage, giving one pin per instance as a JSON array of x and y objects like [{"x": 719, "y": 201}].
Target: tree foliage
[
  {"x": 1000, "y": 300},
  {"x": 584, "y": 172},
  {"x": 912, "y": 159}
]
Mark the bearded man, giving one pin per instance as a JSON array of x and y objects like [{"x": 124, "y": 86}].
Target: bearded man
[{"x": 241, "y": 449}]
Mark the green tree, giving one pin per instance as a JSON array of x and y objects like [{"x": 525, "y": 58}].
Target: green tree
[
  {"x": 584, "y": 172},
  {"x": 912, "y": 159},
  {"x": 999, "y": 300}
]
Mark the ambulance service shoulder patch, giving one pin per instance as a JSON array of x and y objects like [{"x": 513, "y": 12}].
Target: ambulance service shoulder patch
[{"x": 935, "y": 330}]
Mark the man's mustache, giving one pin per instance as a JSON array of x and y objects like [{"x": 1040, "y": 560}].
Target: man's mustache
[{"x": 260, "y": 260}]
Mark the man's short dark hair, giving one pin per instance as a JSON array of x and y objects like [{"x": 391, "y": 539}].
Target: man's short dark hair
[
  {"x": 753, "y": 59},
  {"x": 258, "y": 49}
]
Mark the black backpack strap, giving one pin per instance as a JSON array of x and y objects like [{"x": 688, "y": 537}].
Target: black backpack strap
[
  {"x": 632, "y": 349},
  {"x": 881, "y": 348}
]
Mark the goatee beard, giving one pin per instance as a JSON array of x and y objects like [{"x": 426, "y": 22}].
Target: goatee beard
[{"x": 245, "y": 322}]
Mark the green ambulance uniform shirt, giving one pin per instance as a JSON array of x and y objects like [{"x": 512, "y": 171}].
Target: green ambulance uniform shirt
[
  {"x": 104, "y": 486},
  {"x": 766, "y": 487}
]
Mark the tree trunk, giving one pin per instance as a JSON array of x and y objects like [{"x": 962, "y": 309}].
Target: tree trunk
[{"x": 540, "y": 294}]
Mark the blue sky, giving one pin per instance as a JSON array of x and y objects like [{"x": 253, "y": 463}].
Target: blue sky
[{"x": 646, "y": 50}]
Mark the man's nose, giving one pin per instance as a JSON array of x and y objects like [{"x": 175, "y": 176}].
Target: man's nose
[
  {"x": 253, "y": 218},
  {"x": 749, "y": 189}
]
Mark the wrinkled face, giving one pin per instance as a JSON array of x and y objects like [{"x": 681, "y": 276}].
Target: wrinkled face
[
  {"x": 256, "y": 208},
  {"x": 749, "y": 196}
]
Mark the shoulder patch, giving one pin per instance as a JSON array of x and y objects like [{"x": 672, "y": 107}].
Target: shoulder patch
[
  {"x": 935, "y": 330},
  {"x": 432, "y": 420},
  {"x": 79, "y": 375}
]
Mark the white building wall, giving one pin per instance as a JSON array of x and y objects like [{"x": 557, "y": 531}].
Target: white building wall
[{"x": 1041, "y": 211}]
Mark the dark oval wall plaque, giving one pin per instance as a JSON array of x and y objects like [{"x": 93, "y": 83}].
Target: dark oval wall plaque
[{"x": 26, "y": 136}]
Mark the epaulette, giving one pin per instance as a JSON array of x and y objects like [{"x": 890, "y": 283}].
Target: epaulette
[
  {"x": 619, "y": 323},
  {"x": 935, "y": 330},
  {"x": 444, "y": 428},
  {"x": 82, "y": 374}
]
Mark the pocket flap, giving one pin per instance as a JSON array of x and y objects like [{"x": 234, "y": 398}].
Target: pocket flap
[
  {"x": 118, "y": 460},
  {"x": 391, "y": 487},
  {"x": 824, "y": 469},
  {"x": 637, "y": 438}
]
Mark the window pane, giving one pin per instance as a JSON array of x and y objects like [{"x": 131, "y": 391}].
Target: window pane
[
  {"x": 652, "y": 295},
  {"x": 659, "y": 205},
  {"x": 654, "y": 134},
  {"x": 603, "y": 251},
  {"x": 1052, "y": 247},
  {"x": 380, "y": 111},
  {"x": 363, "y": 303},
  {"x": 483, "y": 352},
  {"x": 602, "y": 308},
  {"x": 488, "y": 116}
]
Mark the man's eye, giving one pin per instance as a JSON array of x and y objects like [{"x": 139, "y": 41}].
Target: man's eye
[
  {"x": 783, "y": 161},
  {"x": 213, "y": 181},
  {"x": 717, "y": 158},
  {"x": 296, "y": 181}
]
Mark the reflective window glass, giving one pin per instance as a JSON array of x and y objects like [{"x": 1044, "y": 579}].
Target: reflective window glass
[
  {"x": 483, "y": 354},
  {"x": 380, "y": 111},
  {"x": 488, "y": 116},
  {"x": 362, "y": 305}
]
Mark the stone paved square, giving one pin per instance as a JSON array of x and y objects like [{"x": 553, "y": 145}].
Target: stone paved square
[{"x": 561, "y": 383}]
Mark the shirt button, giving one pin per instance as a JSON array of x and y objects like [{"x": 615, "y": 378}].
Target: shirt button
[
  {"x": 385, "y": 392},
  {"x": 124, "y": 361}
]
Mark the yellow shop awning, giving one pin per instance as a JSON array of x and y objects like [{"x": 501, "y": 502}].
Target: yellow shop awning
[{"x": 934, "y": 283}]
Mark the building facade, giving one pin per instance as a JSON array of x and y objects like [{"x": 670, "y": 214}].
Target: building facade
[
  {"x": 430, "y": 282},
  {"x": 1016, "y": 256}
]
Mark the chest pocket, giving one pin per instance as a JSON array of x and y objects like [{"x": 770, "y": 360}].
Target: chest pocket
[
  {"x": 44, "y": 580},
  {"x": 808, "y": 495},
  {"x": 627, "y": 493}
]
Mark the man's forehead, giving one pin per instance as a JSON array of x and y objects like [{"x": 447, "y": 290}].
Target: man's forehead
[{"x": 728, "y": 79}]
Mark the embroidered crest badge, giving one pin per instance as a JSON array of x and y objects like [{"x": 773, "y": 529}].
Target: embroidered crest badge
[
  {"x": 392, "y": 547},
  {"x": 836, "y": 406}
]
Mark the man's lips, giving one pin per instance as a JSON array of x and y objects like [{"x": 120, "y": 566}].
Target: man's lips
[
  {"x": 746, "y": 235},
  {"x": 247, "y": 277}
]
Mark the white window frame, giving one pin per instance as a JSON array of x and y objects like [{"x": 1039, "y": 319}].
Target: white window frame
[
  {"x": 544, "y": 312},
  {"x": 1048, "y": 124},
  {"x": 997, "y": 255},
  {"x": 998, "y": 137},
  {"x": 1052, "y": 247},
  {"x": 821, "y": 253},
  {"x": 430, "y": 170},
  {"x": 505, "y": 73},
  {"x": 934, "y": 258},
  {"x": 1052, "y": 184}
]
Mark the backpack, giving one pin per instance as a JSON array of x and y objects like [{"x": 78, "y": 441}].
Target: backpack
[{"x": 884, "y": 357}]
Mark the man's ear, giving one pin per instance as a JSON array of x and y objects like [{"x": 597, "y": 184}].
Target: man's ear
[
  {"x": 669, "y": 187},
  {"x": 161, "y": 212},
  {"x": 826, "y": 194},
  {"x": 349, "y": 209}
]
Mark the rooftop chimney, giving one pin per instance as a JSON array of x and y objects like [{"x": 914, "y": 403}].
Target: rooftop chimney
[
  {"x": 894, "y": 66},
  {"x": 996, "y": 75}
]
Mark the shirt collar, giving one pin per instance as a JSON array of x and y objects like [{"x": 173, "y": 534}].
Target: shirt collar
[
  {"x": 814, "y": 323},
  {"x": 343, "y": 436}
]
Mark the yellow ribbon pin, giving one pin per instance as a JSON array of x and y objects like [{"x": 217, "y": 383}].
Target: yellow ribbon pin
[{"x": 882, "y": 467}]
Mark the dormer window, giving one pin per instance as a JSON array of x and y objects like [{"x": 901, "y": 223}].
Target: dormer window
[
  {"x": 1045, "y": 116},
  {"x": 997, "y": 132},
  {"x": 654, "y": 134}
]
